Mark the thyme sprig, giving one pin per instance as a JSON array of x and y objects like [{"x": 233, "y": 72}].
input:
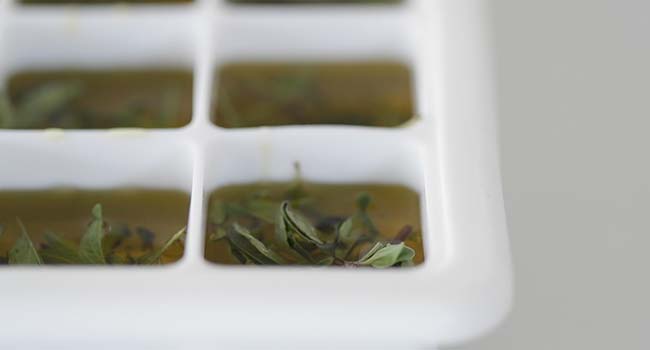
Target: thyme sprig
[
  {"x": 98, "y": 246},
  {"x": 296, "y": 240}
]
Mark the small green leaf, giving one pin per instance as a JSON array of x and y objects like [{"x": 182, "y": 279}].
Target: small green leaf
[
  {"x": 326, "y": 261},
  {"x": 281, "y": 234},
  {"x": 45, "y": 99},
  {"x": 363, "y": 201},
  {"x": 384, "y": 255},
  {"x": 23, "y": 251},
  {"x": 218, "y": 234},
  {"x": 296, "y": 189},
  {"x": 286, "y": 243},
  {"x": 300, "y": 224},
  {"x": 246, "y": 248},
  {"x": 90, "y": 248},
  {"x": 59, "y": 250},
  {"x": 154, "y": 257},
  {"x": 257, "y": 244},
  {"x": 345, "y": 229},
  {"x": 218, "y": 213},
  {"x": 241, "y": 257},
  {"x": 373, "y": 250},
  {"x": 348, "y": 236}
]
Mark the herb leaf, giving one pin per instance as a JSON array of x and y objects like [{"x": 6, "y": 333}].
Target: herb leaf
[
  {"x": 384, "y": 255},
  {"x": 348, "y": 234},
  {"x": 363, "y": 201},
  {"x": 257, "y": 244},
  {"x": 23, "y": 251},
  {"x": 300, "y": 225},
  {"x": 43, "y": 100},
  {"x": 219, "y": 233},
  {"x": 154, "y": 257},
  {"x": 90, "y": 248},
  {"x": 285, "y": 241},
  {"x": 242, "y": 244},
  {"x": 59, "y": 250},
  {"x": 218, "y": 213}
]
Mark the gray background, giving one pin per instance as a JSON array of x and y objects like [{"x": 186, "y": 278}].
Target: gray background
[{"x": 574, "y": 86}]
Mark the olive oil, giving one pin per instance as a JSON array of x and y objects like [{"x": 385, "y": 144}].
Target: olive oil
[
  {"x": 91, "y": 99},
  {"x": 273, "y": 94},
  {"x": 137, "y": 221},
  {"x": 392, "y": 208}
]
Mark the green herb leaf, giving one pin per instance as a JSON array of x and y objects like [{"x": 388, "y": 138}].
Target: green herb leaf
[
  {"x": 384, "y": 255},
  {"x": 154, "y": 257},
  {"x": 285, "y": 241},
  {"x": 45, "y": 99},
  {"x": 296, "y": 190},
  {"x": 219, "y": 233},
  {"x": 373, "y": 250},
  {"x": 59, "y": 250},
  {"x": 218, "y": 212},
  {"x": 270, "y": 254},
  {"x": 246, "y": 248},
  {"x": 326, "y": 261},
  {"x": 348, "y": 234},
  {"x": 23, "y": 251},
  {"x": 300, "y": 225},
  {"x": 241, "y": 257},
  {"x": 90, "y": 248},
  {"x": 363, "y": 201},
  {"x": 281, "y": 234}
]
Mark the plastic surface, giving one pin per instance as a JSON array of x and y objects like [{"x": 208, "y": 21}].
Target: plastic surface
[{"x": 448, "y": 153}]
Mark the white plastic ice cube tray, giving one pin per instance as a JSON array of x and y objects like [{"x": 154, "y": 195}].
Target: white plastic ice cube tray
[{"x": 448, "y": 154}]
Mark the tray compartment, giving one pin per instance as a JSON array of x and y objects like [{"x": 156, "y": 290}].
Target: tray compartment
[
  {"x": 336, "y": 160},
  {"x": 66, "y": 171},
  {"x": 160, "y": 50}
]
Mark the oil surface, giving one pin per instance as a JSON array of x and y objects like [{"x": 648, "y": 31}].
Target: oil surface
[
  {"x": 67, "y": 212},
  {"x": 98, "y": 99},
  {"x": 391, "y": 208},
  {"x": 270, "y": 94}
]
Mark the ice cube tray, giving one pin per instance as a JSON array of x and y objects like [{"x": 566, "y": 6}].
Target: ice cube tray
[{"x": 448, "y": 153}]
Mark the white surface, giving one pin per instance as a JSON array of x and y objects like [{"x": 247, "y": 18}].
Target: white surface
[
  {"x": 449, "y": 154},
  {"x": 574, "y": 80}
]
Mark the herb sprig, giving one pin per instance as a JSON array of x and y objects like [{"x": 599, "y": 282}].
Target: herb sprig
[
  {"x": 354, "y": 242},
  {"x": 97, "y": 247}
]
